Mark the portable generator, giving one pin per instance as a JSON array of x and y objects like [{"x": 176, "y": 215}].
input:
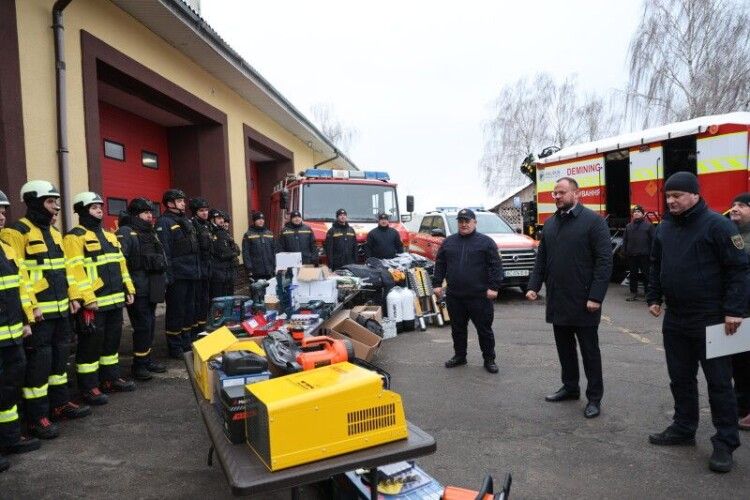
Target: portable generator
[{"x": 321, "y": 413}]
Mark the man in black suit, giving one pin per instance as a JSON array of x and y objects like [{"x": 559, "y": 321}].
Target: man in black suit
[{"x": 574, "y": 261}]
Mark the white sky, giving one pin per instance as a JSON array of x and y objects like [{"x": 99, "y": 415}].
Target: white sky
[{"x": 416, "y": 78}]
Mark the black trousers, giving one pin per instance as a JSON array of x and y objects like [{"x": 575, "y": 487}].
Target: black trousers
[
  {"x": 97, "y": 358},
  {"x": 46, "y": 381},
  {"x": 201, "y": 307},
  {"x": 588, "y": 338},
  {"x": 685, "y": 348},
  {"x": 741, "y": 376},
  {"x": 179, "y": 317},
  {"x": 638, "y": 266},
  {"x": 142, "y": 314},
  {"x": 12, "y": 368},
  {"x": 219, "y": 288},
  {"x": 481, "y": 312}
]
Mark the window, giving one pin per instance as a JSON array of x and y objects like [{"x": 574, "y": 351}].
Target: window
[
  {"x": 426, "y": 225},
  {"x": 439, "y": 223},
  {"x": 114, "y": 150},
  {"x": 149, "y": 159},
  {"x": 116, "y": 205}
]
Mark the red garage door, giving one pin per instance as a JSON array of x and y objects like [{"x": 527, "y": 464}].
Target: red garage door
[{"x": 134, "y": 157}]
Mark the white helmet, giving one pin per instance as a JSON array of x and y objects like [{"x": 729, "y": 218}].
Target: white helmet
[
  {"x": 83, "y": 200},
  {"x": 38, "y": 189},
  {"x": 4, "y": 201}
]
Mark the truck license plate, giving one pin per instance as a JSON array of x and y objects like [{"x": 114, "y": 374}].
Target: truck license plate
[{"x": 516, "y": 272}]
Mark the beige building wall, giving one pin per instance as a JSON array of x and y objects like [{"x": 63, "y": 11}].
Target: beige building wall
[{"x": 107, "y": 22}]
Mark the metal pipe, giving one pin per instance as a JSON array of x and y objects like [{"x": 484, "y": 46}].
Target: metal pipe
[
  {"x": 329, "y": 159},
  {"x": 62, "y": 115}
]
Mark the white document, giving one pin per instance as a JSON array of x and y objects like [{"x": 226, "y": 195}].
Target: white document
[
  {"x": 285, "y": 260},
  {"x": 720, "y": 344}
]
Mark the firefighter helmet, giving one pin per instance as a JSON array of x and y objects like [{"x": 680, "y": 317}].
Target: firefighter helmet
[
  {"x": 4, "y": 201},
  {"x": 139, "y": 205},
  {"x": 198, "y": 203},
  {"x": 85, "y": 199},
  {"x": 33, "y": 190},
  {"x": 172, "y": 195}
]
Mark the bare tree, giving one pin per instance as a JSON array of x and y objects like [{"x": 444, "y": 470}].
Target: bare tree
[
  {"x": 341, "y": 135},
  {"x": 530, "y": 115},
  {"x": 689, "y": 58}
]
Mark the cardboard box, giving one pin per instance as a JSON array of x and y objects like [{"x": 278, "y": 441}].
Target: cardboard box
[
  {"x": 272, "y": 303},
  {"x": 365, "y": 343},
  {"x": 375, "y": 312},
  {"x": 311, "y": 273},
  {"x": 285, "y": 260}
]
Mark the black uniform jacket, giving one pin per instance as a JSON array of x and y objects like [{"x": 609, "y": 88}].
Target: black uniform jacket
[
  {"x": 204, "y": 236},
  {"x": 574, "y": 261},
  {"x": 258, "y": 252},
  {"x": 383, "y": 243},
  {"x": 145, "y": 257},
  {"x": 341, "y": 245},
  {"x": 471, "y": 265},
  {"x": 638, "y": 238},
  {"x": 699, "y": 266},
  {"x": 299, "y": 238},
  {"x": 224, "y": 253},
  {"x": 177, "y": 235}
]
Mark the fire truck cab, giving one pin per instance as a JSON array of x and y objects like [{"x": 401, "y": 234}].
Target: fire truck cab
[
  {"x": 619, "y": 172},
  {"x": 318, "y": 193}
]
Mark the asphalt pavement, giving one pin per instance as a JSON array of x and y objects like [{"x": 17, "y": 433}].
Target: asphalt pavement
[{"x": 152, "y": 443}]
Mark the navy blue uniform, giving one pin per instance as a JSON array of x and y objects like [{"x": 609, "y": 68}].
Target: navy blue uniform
[
  {"x": 699, "y": 268},
  {"x": 340, "y": 245},
  {"x": 204, "y": 236},
  {"x": 471, "y": 265},
  {"x": 299, "y": 238},
  {"x": 383, "y": 243},
  {"x": 259, "y": 253}
]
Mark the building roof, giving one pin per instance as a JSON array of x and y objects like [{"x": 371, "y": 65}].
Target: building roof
[
  {"x": 188, "y": 32},
  {"x": 651, "y": 135},
  {"x": 511, "y": 195}
]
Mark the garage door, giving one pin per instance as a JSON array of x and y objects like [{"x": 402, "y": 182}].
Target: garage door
[{"x": 134, "y": 158}]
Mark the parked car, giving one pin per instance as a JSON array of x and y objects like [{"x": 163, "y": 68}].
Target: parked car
[{"x": 517, "y": 251}]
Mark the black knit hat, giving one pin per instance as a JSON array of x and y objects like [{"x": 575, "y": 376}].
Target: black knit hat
[
  {"x": 742, "y": 198},
  {"x": 682, "y": 181},
  {"x": 258, "y": 216}
]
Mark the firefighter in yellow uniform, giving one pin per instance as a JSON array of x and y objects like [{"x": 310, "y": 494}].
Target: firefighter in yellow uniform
[
  {"x": 97, "y": 264},
  {"x": 16, "y": 313},
  {"x": 39, "y": 244}
]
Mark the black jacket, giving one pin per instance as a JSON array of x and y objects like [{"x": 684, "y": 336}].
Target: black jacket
[
  {"x": 341, "y": 245},
  {"x": 145, "y": 257},
  {"x": 258, "y": 252},
  {"x": 299, "y": 238},
  {"x": 177, "y": 236},
  {"x": 224, "y": 253},
  {"x": 204, "y": 236},
  {"x": 383, "y": 243},
  {"x": 471, "y": 264},
  {"x": 574, "y": 261},
  {"x": 699, "y": 267},
  {"x": 638, "y": 238}
]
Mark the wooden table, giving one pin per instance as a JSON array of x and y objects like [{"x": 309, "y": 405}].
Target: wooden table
[{"x": 247, "y": 475}]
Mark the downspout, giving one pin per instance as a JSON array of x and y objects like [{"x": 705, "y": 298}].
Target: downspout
[
  {"x": 329, "y": 159},
  {"x": 62, "y": 115}
]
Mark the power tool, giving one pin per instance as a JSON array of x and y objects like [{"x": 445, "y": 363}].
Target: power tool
[
  {"x": 227, "y": 311},
  {"x": 258, "y": 295},
  {"x": 286, "y": 355},
  {"x": 284, "y": 291}
]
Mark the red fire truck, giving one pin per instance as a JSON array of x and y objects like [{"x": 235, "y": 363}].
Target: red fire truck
[
  {"x": 618, "y": 172},
  {"x": 318, "y": 193}
]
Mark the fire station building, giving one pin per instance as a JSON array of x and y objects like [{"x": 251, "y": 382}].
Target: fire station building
[{"x": 131, "y": 97}]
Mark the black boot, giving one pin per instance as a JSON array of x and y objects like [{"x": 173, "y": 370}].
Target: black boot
[
  {"x": 155, "y": 366},
  {"x": 117, "y": 385},
  {"x": 24, "y": 445},
  {"x": 455, "y": 361},
  {"x": 141, "y": 373},
  {"x": 44, "y": 429},
  {"x": 721, "y": 460}
]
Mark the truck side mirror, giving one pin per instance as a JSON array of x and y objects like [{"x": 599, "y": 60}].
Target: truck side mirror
[
  {"x": 283, "y": 199},
  {"x": 410, "y": 203},
  {"x": 437, "y": 233}
]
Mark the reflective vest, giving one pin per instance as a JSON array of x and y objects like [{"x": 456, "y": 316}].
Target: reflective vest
[
  {"x": 97, "y": 264},
  {"x": 16, "y": 299},
  {"x": 44, "y": 260}
]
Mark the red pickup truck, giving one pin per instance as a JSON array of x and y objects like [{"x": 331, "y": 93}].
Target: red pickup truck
[{"x": 517, "y": 251}]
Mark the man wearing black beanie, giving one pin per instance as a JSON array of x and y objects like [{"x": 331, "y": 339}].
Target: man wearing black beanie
[
  {"x": 699, "y": 268},
  {"x": 740, "y": 215}
]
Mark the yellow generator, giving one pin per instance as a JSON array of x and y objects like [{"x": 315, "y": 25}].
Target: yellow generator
[{"x": 321, "y": 413}]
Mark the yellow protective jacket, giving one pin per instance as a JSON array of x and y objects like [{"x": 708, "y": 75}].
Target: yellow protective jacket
[
  {"x": 16, "y": 298},
  {"x": 42, "y": 255},
  {"x": 97, "y": 263}
]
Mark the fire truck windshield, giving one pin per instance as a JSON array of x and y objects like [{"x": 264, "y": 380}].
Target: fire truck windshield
[
  {"x": 362, "y": 202},
  {"x": 487, "y": 223}
]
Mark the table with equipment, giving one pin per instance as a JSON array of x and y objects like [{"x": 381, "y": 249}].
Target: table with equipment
[{"x": 247, "y": 475}]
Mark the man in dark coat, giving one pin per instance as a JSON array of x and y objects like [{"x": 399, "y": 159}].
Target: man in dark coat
[
  {"x": 258, "y": 250},
  {"x": 471, "y": 265},
  {"x": 224, "y": 253},
  {"x": 383, "y": 242},
  {"x": 574, "y": 261},
  {"x": 699, "y": 268},
  {"x": 298, "y": 237},
  {"x": 341, "y": 242},
  {"x": 636, "y": 245},
  {"x": 740, "y": 215}
]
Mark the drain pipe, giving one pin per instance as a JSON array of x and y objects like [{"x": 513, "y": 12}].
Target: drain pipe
[
  {"x": 62, "y": 114},
  {"x": 329, "y": 159}
]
